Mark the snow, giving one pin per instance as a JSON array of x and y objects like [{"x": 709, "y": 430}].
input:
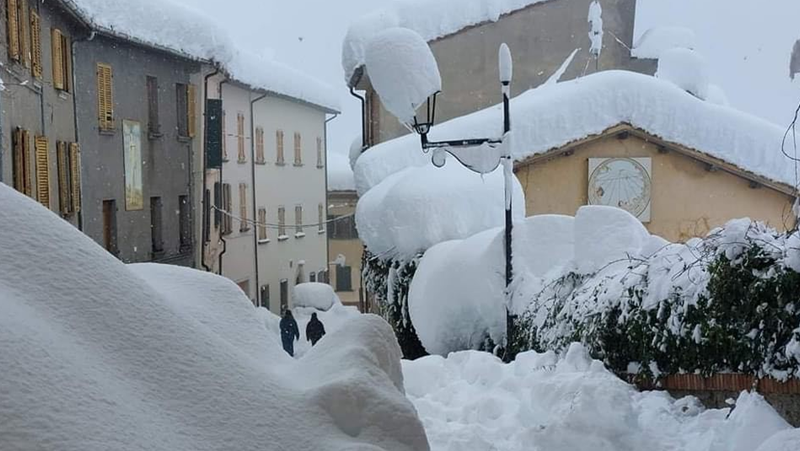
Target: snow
[
  {"x": 596, "y": 28},
  {"x": 552, "y": 116},
  {"x": 97, "y": 355},
  {"x": 556, "y": 77},
  {"x": 316, "y": 295},
  {"x": 189, "y": 32},
  {"x": 686, "y": 69},
  {"x": 506, "y": 64},
  {"x": 402, "y": 70},
  {"x": 431, "y": 19},
  {"x": 603, "y": 235},
  {"x": 340, "y": 174},
  {"x": 334, "y": 319},
  {"x": 471, "y": 401},
  {"x": 657, "y": 40},
  {"x": 418, "y": 207}
]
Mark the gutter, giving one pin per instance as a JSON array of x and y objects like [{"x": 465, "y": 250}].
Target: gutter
[
  {"x": 253, "y": 175},
  {"x": 75, "y": 113},
  {"x": 221, "y": 236},
  {"x": 206, "y": 209}
]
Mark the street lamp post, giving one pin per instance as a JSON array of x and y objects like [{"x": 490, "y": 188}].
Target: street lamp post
[{"x": 464, "y": 151}]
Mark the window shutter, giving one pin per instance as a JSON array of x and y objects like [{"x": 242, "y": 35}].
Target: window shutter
[
  {"x": 262, "y": 224},
  {"x": 28, "y": 170},
  {"x": 19, "y": 160},
  {"x": 42, "y": 171},
  {"x": 259, "y": 144},
  {"x": 224, "y": 139},
  {"x": 75, "y": 176},
  {"x": 298, "y": 149},
  {"x": 319, "y": 153},
  {"x": 227, "y": 205},
  {"x": 281, "y": 221},
  {"x": 243, "y": 225},
  {"x": 12, "y": 10},
  {"x": 36, "y": 44},
  {"x": 321, "y": 215},
  {"x": 153, "y": 122},
  {"x": 66, "y": 50},
  {"x": 57, "y": 53},
  {"x": 240, "y": 137},
  {"x": 279, "y": 147},
  {"x": 22, "y": 20},
  {"x": 105, "y": 101},
  {"x": 191, "y": 103},
  {"x": 64, "y": 191},
  {"x": 298, "y": 219}
]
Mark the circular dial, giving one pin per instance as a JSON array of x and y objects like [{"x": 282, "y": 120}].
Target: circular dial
[{"x": 620, "y": 182}]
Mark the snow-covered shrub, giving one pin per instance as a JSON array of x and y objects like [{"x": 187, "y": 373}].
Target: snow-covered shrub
[
  {"x": 729, "y": 302},
  {"x": 389, "y": 280}
]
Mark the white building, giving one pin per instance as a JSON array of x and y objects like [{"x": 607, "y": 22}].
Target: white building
[{"x": 267, "y": 233}]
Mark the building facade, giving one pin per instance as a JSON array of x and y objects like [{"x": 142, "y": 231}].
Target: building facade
[
  {"x": 136, "y": 115},
  {"x": 345, "y": 248},
  {"x": 39, "y": 150},
  {"x": 541, "y": 37}
]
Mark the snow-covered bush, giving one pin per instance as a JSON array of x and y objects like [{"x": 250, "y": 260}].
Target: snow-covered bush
[
  {"x": 729, "y": 302},
  {"x": 315, "y": 295}
]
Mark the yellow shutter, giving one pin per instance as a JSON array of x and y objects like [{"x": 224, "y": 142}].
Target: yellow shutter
[
  {"x": 240, "y": 137},
  {"x": 12, "y": 10},
  {"x": 36, "y": 44},
  {"x": 66, "y": 50},
  {"x": 57, "y": 53},
  {"x": 259, "y": 144},
  {"x": 298, "y": 153},
  {"x": 75, "y": 175},
  {"x": 105, "y": 101},
  {"x": 42, "y": 171},
  {"x": 191, "y": 103},
  {"x": 64, "y": 192},
  {"x": 279, "y": 146},
  {"x": 262, "y": 224},
  {"x": 243, "y": 226},
  {"x": 18, "y": 160},
  {"x": 28, "y": 171}
]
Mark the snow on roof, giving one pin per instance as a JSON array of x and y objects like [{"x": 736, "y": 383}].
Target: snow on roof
[
  {"x": 340, "y": 174},
  {"x": 657, "y": 40},
  {"x": 431, "y": 19},
  {"x": 157, "y": 357},
  {"x": 549, "y": 117},
  {"x": 419, "y": 207},
  {"x": 176, "y": 28}
]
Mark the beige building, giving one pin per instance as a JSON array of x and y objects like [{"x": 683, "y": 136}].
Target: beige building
[{"x": 345, "y": 248}]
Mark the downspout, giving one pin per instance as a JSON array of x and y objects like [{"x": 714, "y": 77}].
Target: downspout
[
  {"x": 222, "y": 237},
  {"x": 363, "y": 117},
  {"x": 204, "y": 164},
  {"x": 253, "y": 175},
  {"x": 325, "y": 218},
  {"x": 74, "y": 46}
]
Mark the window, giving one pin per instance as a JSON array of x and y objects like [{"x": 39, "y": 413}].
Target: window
[
  {"x": 224, "y": 139},
  {"x": 36, "y": 44},
  {"x": 279, "y": 157},
  {"x": 227, "y": 206},
  {"x": 321, "y": 218},
  {"x": 110, "y": 226},
  {"x": 240, "y": 138},
  {"x": 186, "y": 102},
  {"x": 260, "y": 145},
  {"x": 265, "y": 296},
  {"x": 281, "y": 223},
  {"x": 153, "y": 125},
  {"x": 75, "y": 175},
  {"x": 244, "y": 226},
  {"x": 185, "y": 223},
  {"x": 64, "y": 178},
  {"x": 342, "y": 228},
  {"x": 22, "y": 163},
  {"x": 262, "y": 225},
  {"x": 322, "y": 277},
  {"x": 42, "y": 171},
  {"x": 298, "y": 220},
  {"x": 156, "y": 232},
  {"x": 60, "y": 51},
  {"x": 320, "y": 160},
  {"x": 343, "y": 278},
  {"x": 284, "y": 295},
  {"x": 105, "y": 101},
  {"x": 191, "y": 105},
  {"x": 312, "y": 277},
  {"x": 218, "y": 204},
  {"x": 298, "y": 150}
]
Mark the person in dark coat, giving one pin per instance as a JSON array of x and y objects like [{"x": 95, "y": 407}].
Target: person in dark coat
[
  {"x": 315, "y": 330},
  {"x": 289, "y": 332}
]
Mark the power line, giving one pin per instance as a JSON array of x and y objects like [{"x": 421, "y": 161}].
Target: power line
[{"x": 280, "y": 226}]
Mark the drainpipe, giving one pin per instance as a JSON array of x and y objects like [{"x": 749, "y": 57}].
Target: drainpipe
[
  {"x": 221, "y": 237},
  {"x": 74, "y": 46},
  {"x": 324, "y": 218},
  {"x": 363, "y": 117},
  {"x": 253, "y": 174},
  {"x": 203, "y": 163}
]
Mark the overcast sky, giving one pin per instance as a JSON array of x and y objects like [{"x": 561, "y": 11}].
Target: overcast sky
[{"x": 746, "y": 42}]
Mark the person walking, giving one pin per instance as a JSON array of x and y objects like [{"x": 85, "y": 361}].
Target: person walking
[
  {"x": 314, "y": 330},
  {"x": 289, "y": 332}
]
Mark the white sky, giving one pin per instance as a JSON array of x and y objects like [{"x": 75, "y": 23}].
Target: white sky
[{"x": 747, "y": 44}]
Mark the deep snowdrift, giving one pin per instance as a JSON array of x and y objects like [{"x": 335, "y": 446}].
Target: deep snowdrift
[
  {"x": 471, "y": 401},
  {"x": 97, "y": 355}
]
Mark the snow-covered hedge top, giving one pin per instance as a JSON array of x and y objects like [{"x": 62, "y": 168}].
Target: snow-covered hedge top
[
  {"x": 658, "y": 40},
  {"x": 551, "y": 116},
  {"x": 315, "y": 295},
  {"x": 431, "y": 19},
  {"x": 174, "y": 27}
]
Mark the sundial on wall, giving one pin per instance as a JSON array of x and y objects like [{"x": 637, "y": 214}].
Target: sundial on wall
[{"x": 621, "y": 182}]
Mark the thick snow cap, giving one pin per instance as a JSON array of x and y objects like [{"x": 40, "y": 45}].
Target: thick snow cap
[
  {"x": 658, "y": 40},
  {"x": 403, "y": 71},
  {"x": 98, "y": 355},
  {"x": 315, "y": 295},
  {"x": 551, "y": 116},
  {"x": 686, "y": 69}
]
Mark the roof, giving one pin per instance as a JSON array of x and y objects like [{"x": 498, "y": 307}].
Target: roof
[
  {"x": 554, "y": 116},
  {"x": 191, "y": 34},
  {"x": 431, "y": 19}
]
